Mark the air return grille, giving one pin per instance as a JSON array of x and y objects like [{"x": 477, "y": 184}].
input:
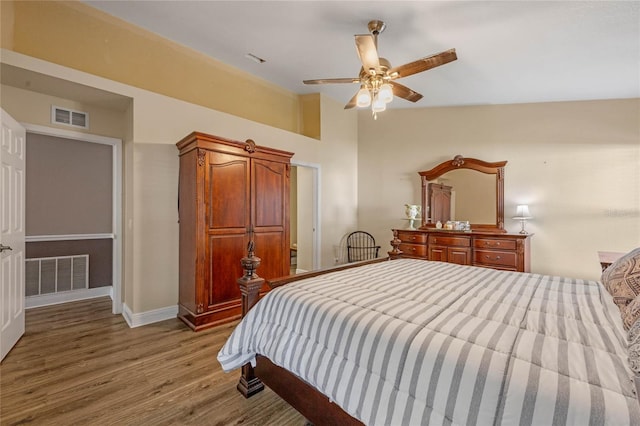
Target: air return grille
[
  {"x": 69, "y": 117},
  {"x": 46, "y": 275}
]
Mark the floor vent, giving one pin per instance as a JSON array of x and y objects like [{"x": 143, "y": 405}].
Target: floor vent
[
  {"x": 47, "y": 275},
  {"x": 69, "y": 117}
]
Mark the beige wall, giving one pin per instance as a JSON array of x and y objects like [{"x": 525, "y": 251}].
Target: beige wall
[
  {"x": 339, "y": 182},
  {"x": 575, "y": 163},
  {"x": 35, "y": 108},
  {"x": 151, "y": 128}
]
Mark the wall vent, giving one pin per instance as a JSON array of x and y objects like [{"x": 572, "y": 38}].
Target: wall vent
[
  {"x": 46, "y": 275},
  {"x": 69, "y": 117}
]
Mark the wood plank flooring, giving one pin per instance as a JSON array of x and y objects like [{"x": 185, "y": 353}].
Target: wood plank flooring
[{"x": 78, "y": 364}]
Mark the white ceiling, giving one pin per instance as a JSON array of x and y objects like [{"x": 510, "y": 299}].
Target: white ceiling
[{"x": 508, "y": 51}]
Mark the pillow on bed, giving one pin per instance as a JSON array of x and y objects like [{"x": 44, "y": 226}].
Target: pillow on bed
[
  {"x": 622, "y": 278},
  {"x": 630, "y": 313},
  {"x": 633, "y": 351}
]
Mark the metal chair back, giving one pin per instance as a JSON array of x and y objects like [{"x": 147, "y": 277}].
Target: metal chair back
[{"x": 361, "y": 246}]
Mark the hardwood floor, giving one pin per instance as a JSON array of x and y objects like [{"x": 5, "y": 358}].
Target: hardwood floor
[{"x": 78, "y": 364}]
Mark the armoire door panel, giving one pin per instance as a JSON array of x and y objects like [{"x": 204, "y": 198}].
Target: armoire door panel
[
  {"x": 228, "y": 191},
  {"x": 225, "y": 253},
  {"x": 270, "y": 192},
  {"x": 271, "y": 249}
]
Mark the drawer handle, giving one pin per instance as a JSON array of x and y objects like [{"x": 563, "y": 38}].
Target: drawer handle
[
  {"x": 435, "y": 240},
  {"x": 487, "y": 243},
  {"x": 413, "y": 248},
  {"x": 413, "y": 238},
  {"x": 489, "y": 257}
]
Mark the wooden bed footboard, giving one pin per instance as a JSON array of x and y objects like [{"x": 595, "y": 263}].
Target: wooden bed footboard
[{"x": 306, "y": 399}]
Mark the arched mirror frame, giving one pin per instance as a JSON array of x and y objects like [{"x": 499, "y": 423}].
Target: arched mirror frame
[{"x": 459, "y": 162}]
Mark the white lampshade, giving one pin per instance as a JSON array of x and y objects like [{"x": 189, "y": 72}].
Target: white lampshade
[
  {"x": 364, "y": 97},
  {"x": 385, "y": 93},
  {"x": 522, "y": 212},
  {"x": 378, "y": 105}
]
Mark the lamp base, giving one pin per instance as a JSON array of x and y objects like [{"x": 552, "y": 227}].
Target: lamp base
[{"x": 523, "y": 223}]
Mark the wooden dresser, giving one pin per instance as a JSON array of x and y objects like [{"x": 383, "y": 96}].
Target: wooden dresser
[{"x": 487, "y": 249}]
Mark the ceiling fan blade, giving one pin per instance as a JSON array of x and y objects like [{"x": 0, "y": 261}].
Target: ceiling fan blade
[
  {"x": 405, "y": 93},
  {"x": 367, "y": 52},
  {"x": 423, "y": 64},
  {"x": 332, "y": 80},
  {"x": 352, "y": 102}
]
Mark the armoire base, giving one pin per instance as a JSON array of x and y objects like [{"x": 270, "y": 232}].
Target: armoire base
[{"x": 199, "y": 322}]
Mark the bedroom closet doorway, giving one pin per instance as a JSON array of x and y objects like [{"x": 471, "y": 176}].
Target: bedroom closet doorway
[
  {"x": 303, "y": 218},
  {"x": 73, "y": 217}
]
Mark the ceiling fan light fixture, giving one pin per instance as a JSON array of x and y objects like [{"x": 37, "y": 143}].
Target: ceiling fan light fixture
[
  {"x": 364, "y": 97},
  {"x": 385, "y": 93},
  {"x": 377, "y": 78}
]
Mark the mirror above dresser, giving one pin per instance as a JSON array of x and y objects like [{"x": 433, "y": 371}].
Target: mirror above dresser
[{"x": 464, "y": 189}]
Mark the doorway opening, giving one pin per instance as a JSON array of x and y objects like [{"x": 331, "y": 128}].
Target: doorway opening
[
  {"x": 304, "y": 217},
  {"x": 103, "y": 243}
]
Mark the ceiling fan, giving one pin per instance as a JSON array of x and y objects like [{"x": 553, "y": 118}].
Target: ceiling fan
[{"x": 377, "y": 76}]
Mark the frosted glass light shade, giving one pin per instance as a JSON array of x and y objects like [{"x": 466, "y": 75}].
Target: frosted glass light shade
[
  {"x": 385, "y": 94},
  {"x": 378, "y": 105},
  {"x": 522, "y": 212},
  {"x": 364, "y": 98}
]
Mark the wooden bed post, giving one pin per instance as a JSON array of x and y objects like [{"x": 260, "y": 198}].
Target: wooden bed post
[
  {"x": 250, "y": 285},
  {"x": 395, "y": 243}
]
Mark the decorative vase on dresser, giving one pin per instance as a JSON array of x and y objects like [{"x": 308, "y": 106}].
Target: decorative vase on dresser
[{"x": 230, "y": 193}]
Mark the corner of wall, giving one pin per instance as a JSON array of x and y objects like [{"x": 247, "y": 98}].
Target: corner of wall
[
  {"x": 148, "y": 317},
  {"x": 310, "y": 116}
]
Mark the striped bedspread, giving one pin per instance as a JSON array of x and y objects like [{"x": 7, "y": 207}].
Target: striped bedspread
[{"x": 412, "y": 342}]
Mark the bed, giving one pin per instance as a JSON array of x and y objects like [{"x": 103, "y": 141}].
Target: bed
[{"x": 409, "y": 341}]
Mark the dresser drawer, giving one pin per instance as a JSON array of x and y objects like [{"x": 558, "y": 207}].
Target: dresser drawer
[
  {"x": 414, "y": 249},
  {"x": 505, "y": 259},
  {"x": 494, "y": 243},
  {"x": 449, "y": 241},
  {"x": 412, "y": 237}
]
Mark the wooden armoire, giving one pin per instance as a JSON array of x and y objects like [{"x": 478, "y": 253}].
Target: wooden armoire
[{"x": 229, "y": 193}]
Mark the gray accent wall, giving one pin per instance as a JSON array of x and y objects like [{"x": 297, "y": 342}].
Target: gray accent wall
[
  {"x": 99, "y": 251},
  {"x": 68, "y": 186}
]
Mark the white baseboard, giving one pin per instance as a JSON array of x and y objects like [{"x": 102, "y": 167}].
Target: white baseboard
[
  {"x": 148, "y": 317},
  {"x": 67, "y": 296}
]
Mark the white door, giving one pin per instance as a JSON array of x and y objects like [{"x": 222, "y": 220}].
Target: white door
[{"x": 12, "y": 214}]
